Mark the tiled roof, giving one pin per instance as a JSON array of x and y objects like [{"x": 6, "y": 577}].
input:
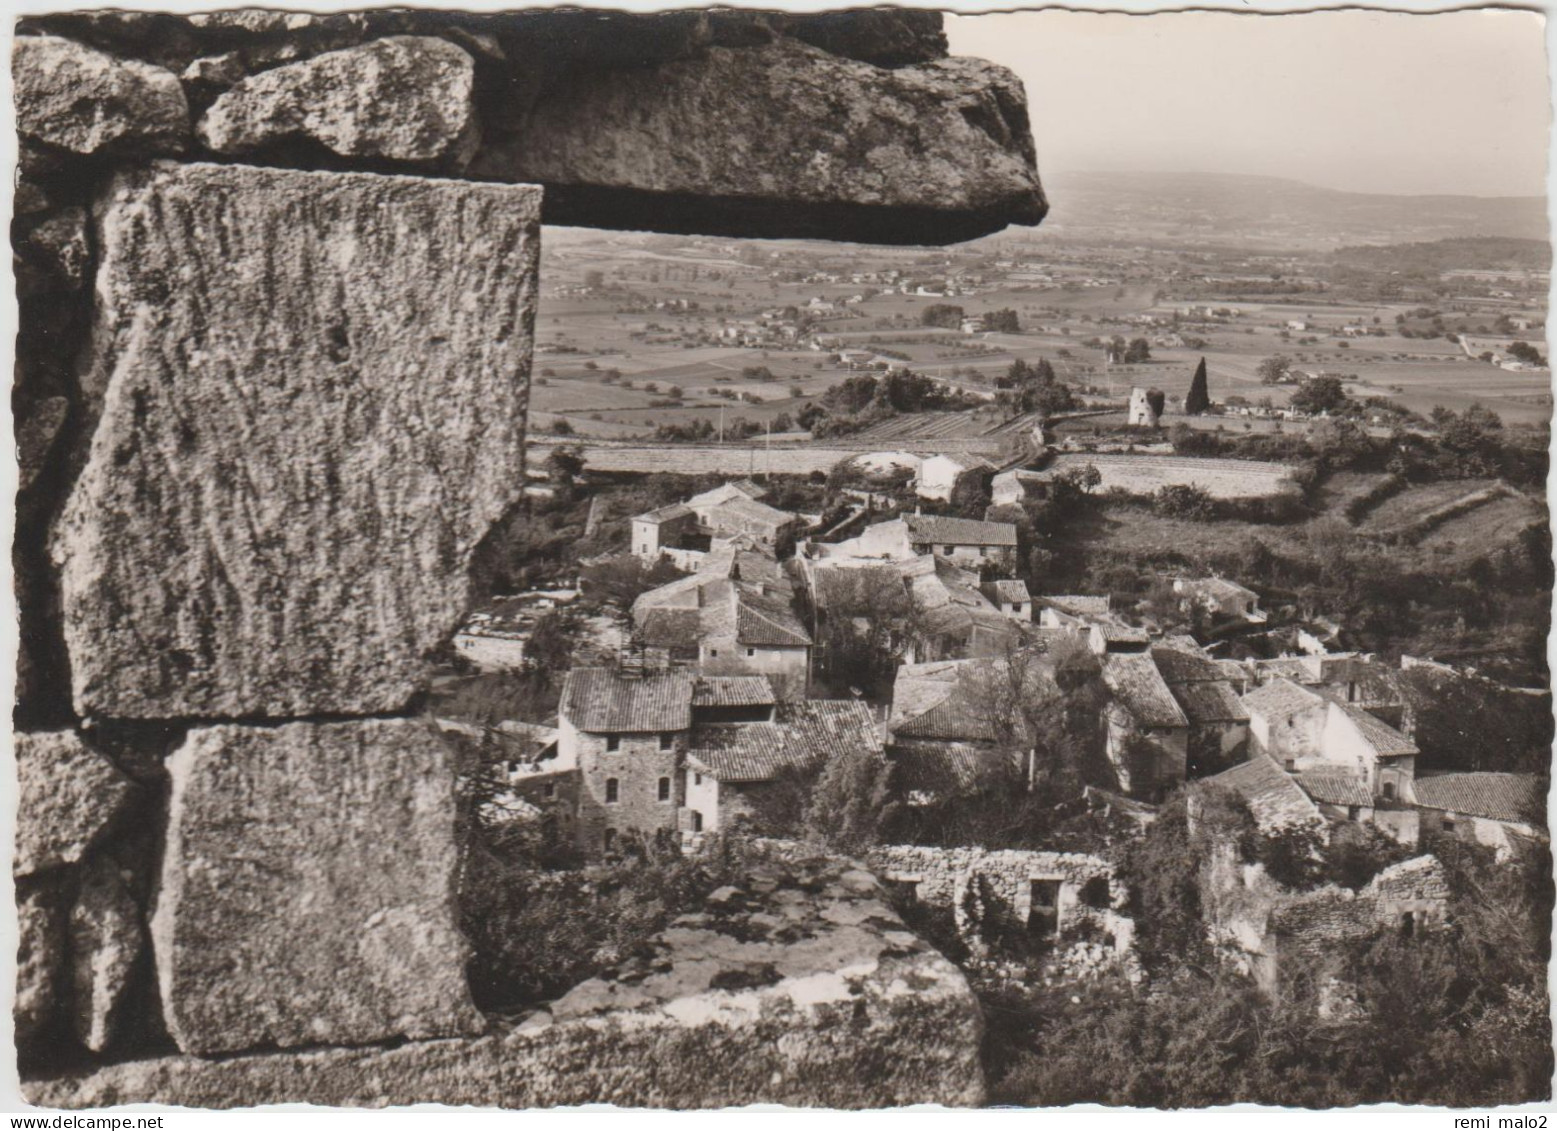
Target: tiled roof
[
  {"x": 1334, "y": 788},
  {"x": 1123, "y": 633},
  {"x": 1300, "y": 669},
  {"x": 1012, "y": 591},
  {"x": 1519, "y": 798},
  {"x": 1137, "y": 685},
  {"x": 947, "y": 768},
  {"x": 1207, "y": 701},
  {"x": 1076, "y": 605},
  {"x": 760, "y": 619},
  {"x": 803, "y": 734},
  {"x": 665, "y": 514},
  {"x": 602, "y": 701},
  {"x": 1218, "y": 586},
  {"x": 1180, "y": 665},
  {"x": 732, "y": 691},
  {"x": 944, "y": 530},
  {"x": 734, "y": 489},
  {"x": 1281, "y": 697},
  {"x": 751, "y": 509},
  {"x": 670, "y": 628},
  {"x": 1273, "y": 797},
  {"x": 1378, "y": 734}
]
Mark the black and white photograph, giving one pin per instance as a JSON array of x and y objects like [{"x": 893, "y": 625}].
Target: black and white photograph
[{"x": 809, "y": 557}]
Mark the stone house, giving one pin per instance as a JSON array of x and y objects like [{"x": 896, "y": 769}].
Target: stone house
[
  {"x": 735, "y": 508},
  {"x": 730, "y": 767},
  {"x": 1218, "y": 721},
  {"x": 1500, "y": 811},
  {"x": 1274, "y": 798},
  {"x": 735, "y": 616},
  {"x": 939, "y": 475},
  {"x": 1071, "y": 611},
  {"x": 731, "y": 510},
  {"x": 936, "y": 609},
  {"x": 967, "y": 542},
  {"x": 1148, "y": 732},
  {"x": 666, "y": 528},
  {"x": 1312, "y": 728},
  {"x": 1018, "y": 484},
  {"x": 1011, "y": 598},
  {"x": 627, "y": 736},
  {"x": 1220, "y": 597}
]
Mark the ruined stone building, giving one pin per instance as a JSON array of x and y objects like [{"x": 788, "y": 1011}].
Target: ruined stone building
[{"x": 277, "y": 299}]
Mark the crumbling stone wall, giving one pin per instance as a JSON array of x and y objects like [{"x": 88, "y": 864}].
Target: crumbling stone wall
[
  {"x": 1258, "y": 925},
  {"x": 276, "y": 276},
  {"x": 990, "y": 892}
]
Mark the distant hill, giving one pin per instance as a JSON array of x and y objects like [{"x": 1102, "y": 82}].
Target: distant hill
[
  {"x": 1226, "y": 208},
  {"x": 1476, "y": 253}
]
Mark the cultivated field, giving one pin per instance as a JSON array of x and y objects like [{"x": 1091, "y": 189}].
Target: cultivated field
[{"x": 1145, "y": 474}]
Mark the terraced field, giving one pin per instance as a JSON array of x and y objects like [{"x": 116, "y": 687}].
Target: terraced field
[
  {"x": 1485, "y": 526},
  {"x": 1407, "y": 507}
]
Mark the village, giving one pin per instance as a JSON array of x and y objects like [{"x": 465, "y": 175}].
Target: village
[{"x": 893, "y": 648}]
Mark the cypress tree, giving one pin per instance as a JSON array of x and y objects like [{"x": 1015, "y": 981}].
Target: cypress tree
[{"x": 1198, "y": 399}]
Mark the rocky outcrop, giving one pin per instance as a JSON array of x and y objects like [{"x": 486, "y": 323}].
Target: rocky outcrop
[
  {"x": 799, "y": 987},
  {"x": 405, "y": 98},
  {"x": 107, "y": 941},
  {"x": 70, "y": 795},
  {"x": 308, "y": 888},
  {"x": 87, "y": 102},
  {"x": 314, "y": 411},
  {"x": 803, "y": 143}
]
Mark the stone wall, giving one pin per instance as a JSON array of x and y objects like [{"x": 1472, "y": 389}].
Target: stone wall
[
  {"x": 990, "y": 892},
  {"x": 801, "y": 986},
  {"x": 277, "y": 278},
  {"x": 1259, "y": 925}
]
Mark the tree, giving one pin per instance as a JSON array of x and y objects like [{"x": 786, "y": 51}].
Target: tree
[
  {"x": 564, "y": 464},
  {"x": 1139, "y": 350},
  {"x": 1273, "y": 370},
  {"x": 1198, "y": 399},
  {"x": 549, "y": 650},
  {"x": 943, "y": 315},
  {"x": 1525, "y": 352},
  {"x": 1005, "y": 321},
  {"x": 851, "y": 802},
  {"x": 1183, "y": 500},
  {"x": 1319, "y": 395}
]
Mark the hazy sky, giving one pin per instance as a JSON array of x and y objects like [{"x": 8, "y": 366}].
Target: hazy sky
[{"x": 1365, "y": 101}]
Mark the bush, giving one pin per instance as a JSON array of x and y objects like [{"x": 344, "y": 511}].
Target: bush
[{"x": 1183, "y": 500}]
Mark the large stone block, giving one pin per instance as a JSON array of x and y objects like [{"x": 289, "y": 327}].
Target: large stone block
[
  {"x": 106, "y": 943},
  {"x": 84, "y": 101},
  {"x": 70, "y": 795},
  {"x": 781, "y": 140},
  {"x": 404, "y": 98},
  {"x": 803, "y": 990},
  {"x": 308, "y": 888},
  {"x": 40, "y": 959},
  {"x": 314, "y": 389}
]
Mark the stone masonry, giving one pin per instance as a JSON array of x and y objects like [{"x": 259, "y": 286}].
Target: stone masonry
[{"x": 276, "y": 275}]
